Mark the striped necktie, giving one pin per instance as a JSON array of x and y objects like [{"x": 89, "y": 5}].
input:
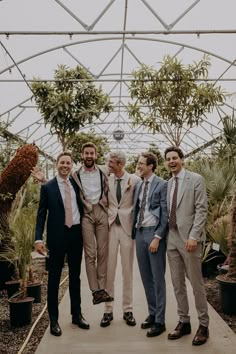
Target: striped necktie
[
  {"x": 172, "y": 218},
  {"x": 143, "y": 205},
  {"x": 68, "y": 205}
]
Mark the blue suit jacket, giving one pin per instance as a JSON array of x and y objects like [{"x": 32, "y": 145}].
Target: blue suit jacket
[
  {"x": 51, "y": 207},
  {"x": 157, "y": 205}
]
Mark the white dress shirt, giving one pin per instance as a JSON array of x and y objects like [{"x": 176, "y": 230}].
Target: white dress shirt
[
  {"x": 91, "y": 183},
  {"x": 180, "y": 177},
  {"x": 149, "y": 219},
  {"x": 75, "y": 209}
]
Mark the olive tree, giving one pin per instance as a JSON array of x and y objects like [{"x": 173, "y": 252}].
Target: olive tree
[
  {"x": 172, "y": 99},
  {"x": 70, "y": 102}
]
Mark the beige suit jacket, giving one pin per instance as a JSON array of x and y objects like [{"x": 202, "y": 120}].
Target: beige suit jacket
[
  {"x": 191, "y": 211},
  {"x": 125, "y": 208}
]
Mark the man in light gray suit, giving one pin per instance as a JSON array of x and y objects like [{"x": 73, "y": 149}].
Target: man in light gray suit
[
  {"x": 187, "y": 207},
  {"x": 150, "y": 225}
]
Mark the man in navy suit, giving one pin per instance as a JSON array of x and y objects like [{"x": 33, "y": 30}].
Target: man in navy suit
[
  {"x": 62, "y": 238},
  {"x": 150, "y": 224}
]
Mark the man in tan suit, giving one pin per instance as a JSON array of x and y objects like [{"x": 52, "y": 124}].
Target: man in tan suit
[
  {"x": 187, "y": 206},
  {"x": 120, "y": 197},
  {"x": 93, "y": 184}
]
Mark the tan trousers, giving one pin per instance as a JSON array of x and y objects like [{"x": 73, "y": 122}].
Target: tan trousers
[
  {"x": 183, "y": 263},
  {"x": 95, "y": 239},
  {"x": 119, "y": 239}
]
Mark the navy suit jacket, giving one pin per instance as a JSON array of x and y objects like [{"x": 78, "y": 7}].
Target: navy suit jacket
[
  {"x": 157, "y": 205},
  {"x": 51, "y": 207}
]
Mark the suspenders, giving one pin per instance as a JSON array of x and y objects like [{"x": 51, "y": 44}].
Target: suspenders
[{"x": 101, "y": 181}]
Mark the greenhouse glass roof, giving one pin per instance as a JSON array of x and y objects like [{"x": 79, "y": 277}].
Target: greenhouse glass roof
[{"x": 111, "y": 38}]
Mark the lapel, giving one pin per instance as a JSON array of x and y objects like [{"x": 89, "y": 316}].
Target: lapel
[
  {"x": 168, "y": 192},
  {"x": 183, "y": 188},
  {"x": 137, "y": 192},
  {"x": 111, "y": 183},
  {"x": 57, "y": 191},
  {"x": 154, "y": 183}
]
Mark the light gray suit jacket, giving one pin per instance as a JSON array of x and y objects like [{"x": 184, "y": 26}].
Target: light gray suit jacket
[{"x": 191, "y": 211}]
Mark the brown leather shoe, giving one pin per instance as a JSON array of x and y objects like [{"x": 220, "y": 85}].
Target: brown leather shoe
[
  {"x": 101, "y": 295},
  {"x": 201, "y": 336},
  {"x": 181, "y": 330}
]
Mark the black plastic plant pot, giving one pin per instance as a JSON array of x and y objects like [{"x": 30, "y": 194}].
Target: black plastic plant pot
[
  {"x": 34, "y": 290},
  {"x": 12, "y": 287},
  {"x": 20, "y": 311},
  {"x": 6, "y": 272},
  {"x": 227, "y": 295}
]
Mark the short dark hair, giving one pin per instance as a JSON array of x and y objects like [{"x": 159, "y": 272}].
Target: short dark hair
[
  {"x": 64, "y": 153},
  {"x": 175, "y": 149},
  {"x": 89, "y": 144},
  {"x": 151, "y": 159}
]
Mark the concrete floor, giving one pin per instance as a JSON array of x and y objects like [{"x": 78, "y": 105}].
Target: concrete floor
[{"x": 120, "y": 338}]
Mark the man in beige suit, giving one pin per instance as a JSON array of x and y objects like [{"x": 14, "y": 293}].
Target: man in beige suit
[
  {"x": 187, "y": 206},
  {"x": 120, "y": 197}
]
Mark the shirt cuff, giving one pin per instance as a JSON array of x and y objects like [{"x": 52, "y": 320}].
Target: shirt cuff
[
  {"x": 192, "y": 238},
  {"x": 38, "y": 241},
  {"x": 157, "y": 236}
]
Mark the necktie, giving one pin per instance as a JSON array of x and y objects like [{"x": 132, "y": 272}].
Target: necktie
[
  {"x": 68, "y": 205},
  {"x": 143, "y": 205},
  {"x": 172, "y": 218},
  {"x": 118, "y": 197}
]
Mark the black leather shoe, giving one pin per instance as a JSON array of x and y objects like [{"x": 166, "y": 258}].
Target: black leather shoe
[
  {"x": 181, "y": 330},
  {"x": 156, "y": 330},
  {"x": 55, "y": 329},
  {"x": 129, "y": 318},
  {"x": 106, "y": 320},
  {"x": 80, "y": 322},
  {"x": 148, "y": 323},
  {"x": 201, "y": 336}
]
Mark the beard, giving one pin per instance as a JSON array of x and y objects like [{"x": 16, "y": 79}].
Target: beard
[{"x": 89, "y": 163}]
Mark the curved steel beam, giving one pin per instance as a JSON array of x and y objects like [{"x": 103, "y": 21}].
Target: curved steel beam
[{"x": 115, "y": 39}]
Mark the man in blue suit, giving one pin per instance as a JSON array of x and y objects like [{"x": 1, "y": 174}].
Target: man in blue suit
[
  {"x": 150, "y": 224},
  {"x": 61, "y": 205}
]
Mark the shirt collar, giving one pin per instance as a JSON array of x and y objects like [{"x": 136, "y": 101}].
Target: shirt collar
[
  {"x": 181, "y": 174},
  {"x": 150, "y": 179},
  {"x": 61, "y": 180},
  {"x": 86, "y": 171}
]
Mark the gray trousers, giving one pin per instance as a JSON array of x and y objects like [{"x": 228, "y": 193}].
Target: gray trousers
[
  {"x": 182, "y": 264},
  {"x": 152, "y": 270}
]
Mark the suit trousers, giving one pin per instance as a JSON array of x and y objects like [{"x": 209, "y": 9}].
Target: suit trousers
[
  {"x": 187, "y": 263},
  {"x": 72, "y": 245},
  {"x": 95, "y": 238},
  {"x": 152, "y": 270},
  {"x": 118, "y": 238}
]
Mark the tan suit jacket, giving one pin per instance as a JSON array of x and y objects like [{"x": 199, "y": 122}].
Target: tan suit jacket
[
  {"x": 191, "y": 210},
  {"x": 125, "y": 208}
]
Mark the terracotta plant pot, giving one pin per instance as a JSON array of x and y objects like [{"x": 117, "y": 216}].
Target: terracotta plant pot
[{"x": 20, "y": 311}]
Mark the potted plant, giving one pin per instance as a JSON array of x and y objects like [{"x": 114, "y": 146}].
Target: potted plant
[
  {"x": 12, "y": 179},
  {"x": 227, "y": 282}
]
